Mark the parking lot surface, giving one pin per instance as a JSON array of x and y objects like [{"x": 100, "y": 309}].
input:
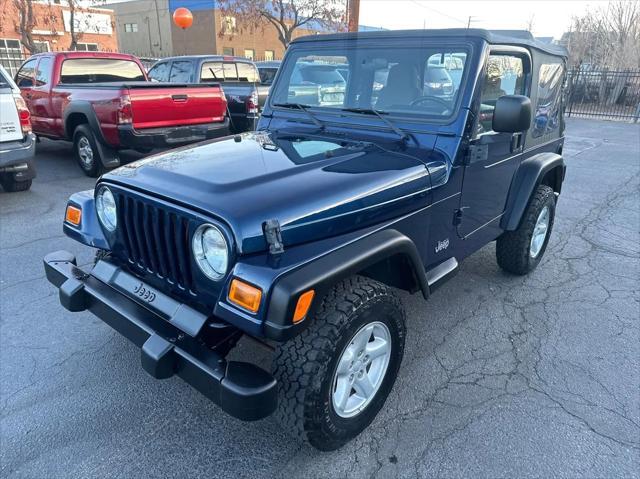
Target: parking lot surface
[{"x": 503, "y": 376}]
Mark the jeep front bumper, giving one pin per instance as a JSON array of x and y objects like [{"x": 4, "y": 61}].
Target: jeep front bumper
[{"x": 243, "y": 390}]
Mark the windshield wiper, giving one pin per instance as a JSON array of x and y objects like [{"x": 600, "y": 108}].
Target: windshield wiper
[
  {"x": 370, "y": 111},
  {"x": 303, "y": 108}
]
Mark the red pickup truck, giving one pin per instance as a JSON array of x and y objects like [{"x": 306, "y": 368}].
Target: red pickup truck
[{"x": 103, "y": 102}]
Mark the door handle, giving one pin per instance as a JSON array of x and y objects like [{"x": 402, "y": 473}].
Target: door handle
[
  {"x": 516, "y": 142},
  {"x": 179, "y": 97}
]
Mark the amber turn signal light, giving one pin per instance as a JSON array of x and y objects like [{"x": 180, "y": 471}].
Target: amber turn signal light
[
  {"x": 73, "y": 215},
  {"x": 244, "y": 295},
  {"x": 304, "y": 303}
]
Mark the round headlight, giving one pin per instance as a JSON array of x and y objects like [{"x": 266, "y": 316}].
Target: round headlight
[
  {"x": 106, "y": 208},
  {"x": 210, "y": 251}
]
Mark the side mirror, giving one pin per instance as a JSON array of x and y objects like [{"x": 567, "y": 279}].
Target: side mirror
[{"x": 512, "y": 114}]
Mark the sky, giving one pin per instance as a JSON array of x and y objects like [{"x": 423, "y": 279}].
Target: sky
[{"x": 550, "y": 18}]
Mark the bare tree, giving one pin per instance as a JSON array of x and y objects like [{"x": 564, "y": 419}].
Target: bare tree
[
  {"x": 286, "y": 16},
  {"x": 530, "y": 22},
  {"x": 80, "y": 19},
  {"x": 21, "y": 14},
  {"x": 607, "y": 37}
]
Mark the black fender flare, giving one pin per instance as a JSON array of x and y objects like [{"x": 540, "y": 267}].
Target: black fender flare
[
  {"x": 324, "y": 272},
  {"x": 524, "y": 183},
  {"x": 107, "y": 153}
]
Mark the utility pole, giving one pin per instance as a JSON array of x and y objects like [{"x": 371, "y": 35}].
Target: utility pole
[
  {"x": 158, "y": 21},
  {"x": 353, "y": 14}
]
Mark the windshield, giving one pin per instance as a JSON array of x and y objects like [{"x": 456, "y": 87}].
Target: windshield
[{"x": 423, "y": 81}]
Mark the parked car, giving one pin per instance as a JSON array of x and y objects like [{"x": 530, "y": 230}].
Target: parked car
[
  {"x": 17, "y": 142},
  {"x": 329, "y": 81},
  {"x": 438, "y": 82},
  {"x": 299, "y": 233},
  {"x": 268, "y": 70},
  {"x": 238, "y": 76},
  {"x": 103, "y": 103}
]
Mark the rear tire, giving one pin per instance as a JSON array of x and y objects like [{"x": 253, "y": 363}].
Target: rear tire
[
  {"x": 86, "y": 151},
  {"x": 517, "y": 251},
  {"x": 11, "y": 185},
  {"x": 310, "y": 368}
]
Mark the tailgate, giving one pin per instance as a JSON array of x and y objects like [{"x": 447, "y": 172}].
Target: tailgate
[
  {"x": 10, "y": 129},
  {"x": 158, "y": 105}
]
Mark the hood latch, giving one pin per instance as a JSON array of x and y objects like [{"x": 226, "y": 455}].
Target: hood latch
[{"x": 273, "y": 236}]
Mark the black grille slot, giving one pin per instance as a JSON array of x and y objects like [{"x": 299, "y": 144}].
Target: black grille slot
[{"x": 156, "y": 240}]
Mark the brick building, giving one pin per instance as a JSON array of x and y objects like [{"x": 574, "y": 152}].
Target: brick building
[
  {"x": 145, "y": 28},
  {"x": 51, "y": 31}
]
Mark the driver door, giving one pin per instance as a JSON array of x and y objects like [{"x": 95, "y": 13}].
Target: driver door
[{"x": 494, "y": 157}]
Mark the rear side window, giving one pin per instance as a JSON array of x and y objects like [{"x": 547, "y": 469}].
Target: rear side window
[
  {"x": 547, "y": 116},
  {"x": 247, "y": 72},
  {"x": 267, "y": 75},
  {"x": 160, "y": 72},
  {"x": 180, "y": 72},
  {"x": 24, "y": 77},
  {"x": 43, "y": 73},
  {"x": 100, "y": 70}
]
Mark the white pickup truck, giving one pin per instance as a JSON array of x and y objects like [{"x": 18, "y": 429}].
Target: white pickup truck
[{"x": 17, "y": 142}]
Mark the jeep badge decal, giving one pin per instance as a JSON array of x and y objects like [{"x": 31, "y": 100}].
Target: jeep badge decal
[{"x": 442, "y": 245}]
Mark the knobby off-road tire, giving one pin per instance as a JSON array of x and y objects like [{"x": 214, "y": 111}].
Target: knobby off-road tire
[
  {"x": 11, "y": 185},
  {"x": 515, "y": 249},
  {"x": 86, "y": 151},
  {"x": 306, "y": 366}
]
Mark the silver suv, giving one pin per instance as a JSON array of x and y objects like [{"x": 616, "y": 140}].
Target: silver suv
[{"x": 17, "y": 142}]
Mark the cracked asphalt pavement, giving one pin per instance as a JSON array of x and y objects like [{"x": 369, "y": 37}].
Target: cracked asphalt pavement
[{"x": 503, "y": 376}]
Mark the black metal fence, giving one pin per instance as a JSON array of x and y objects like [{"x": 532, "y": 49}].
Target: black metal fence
[{"x": 606, "y": 94}]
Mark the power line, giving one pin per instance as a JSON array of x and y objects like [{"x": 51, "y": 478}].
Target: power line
[{"x": 464, "y": 22}]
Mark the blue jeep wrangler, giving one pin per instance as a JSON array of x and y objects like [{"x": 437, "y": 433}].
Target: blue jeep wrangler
[{"x": 297, "y": 234}]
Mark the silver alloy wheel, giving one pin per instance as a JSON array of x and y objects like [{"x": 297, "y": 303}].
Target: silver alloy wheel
[
  {"x": 361, "y": 369},
  {"x": 539, "y": 233},
  {"x": 85, "y": 152}
]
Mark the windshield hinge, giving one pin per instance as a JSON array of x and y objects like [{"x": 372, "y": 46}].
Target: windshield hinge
[{"x": 273, "y": 236}]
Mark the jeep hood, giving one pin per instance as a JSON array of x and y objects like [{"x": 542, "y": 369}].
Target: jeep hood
[{"x": 315, "y": 188}]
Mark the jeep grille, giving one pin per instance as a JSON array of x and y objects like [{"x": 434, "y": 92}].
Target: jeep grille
[{"x": 156, "y": 240}]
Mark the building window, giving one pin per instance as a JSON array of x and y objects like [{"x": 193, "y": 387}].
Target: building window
[
  {"x": 228, "y": 25},
  {"x": 11, "y": 53},
  {"x": 87, "y": 47},
  {"x": 131, "y": 27},
  {"x": 42, "y": 46},
  {"x": 269, "y": 55},
  {"x": 227, "y": 51},
  {"x": 10, "y": 48},
  {"x": 249, "y": 53}
]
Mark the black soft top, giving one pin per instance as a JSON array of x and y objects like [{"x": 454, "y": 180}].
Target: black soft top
[{"x": 499, "y": 37}]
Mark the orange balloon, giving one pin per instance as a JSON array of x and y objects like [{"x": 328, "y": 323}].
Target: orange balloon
[{"x": 183, "y": 17}]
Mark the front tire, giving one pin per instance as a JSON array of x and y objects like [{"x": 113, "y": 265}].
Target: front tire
[
  {"x": 86, "y": 151},
  {"x": 520, "y": 251},
  {"x": 336, "y": 375},
  {"x": 11, "y": 185}
]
